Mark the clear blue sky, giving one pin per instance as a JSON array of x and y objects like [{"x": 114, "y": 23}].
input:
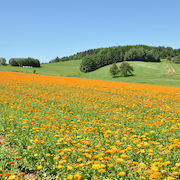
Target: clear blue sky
[{"x": 45, "y": 29}]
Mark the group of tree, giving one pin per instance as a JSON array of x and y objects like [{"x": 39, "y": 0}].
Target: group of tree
[
  {"x": 95, "y": 58},
  {"x": 125, "y": 69},
  {"x": 119, "y": 54},
  {"x": 24, "y": 62}
]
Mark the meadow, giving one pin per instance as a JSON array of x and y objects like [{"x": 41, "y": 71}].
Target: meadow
[
  {"x": 144, "y": 72},
  {"x": 70, "y": 128}
]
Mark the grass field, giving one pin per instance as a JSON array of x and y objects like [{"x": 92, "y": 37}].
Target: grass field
[
  {"x": 67, "y": 128},
  {"x": 145, "y": 72}
]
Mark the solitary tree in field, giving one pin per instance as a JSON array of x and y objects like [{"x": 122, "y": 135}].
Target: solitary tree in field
[
  {"x": 126, "y": 69},
  {"x": 114, "y": 70}
]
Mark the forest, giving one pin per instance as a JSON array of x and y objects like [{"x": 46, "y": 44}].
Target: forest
[{"x": 95, "y": 58}]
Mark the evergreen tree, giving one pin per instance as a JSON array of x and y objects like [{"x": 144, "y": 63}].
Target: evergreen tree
[{"x": 125, "y": 69}]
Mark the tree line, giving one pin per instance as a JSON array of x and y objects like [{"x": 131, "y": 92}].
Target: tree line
[
  {"x": 126, "y": 53},
  {"x": 95, "y": 58},
  {"x": 21, "y": 62}
]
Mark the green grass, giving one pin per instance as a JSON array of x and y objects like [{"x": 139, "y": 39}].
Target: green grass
[{"x": 145, "y": 72}]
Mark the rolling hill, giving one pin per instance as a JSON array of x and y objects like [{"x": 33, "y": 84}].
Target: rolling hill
[{"x": 145, "y": 72}]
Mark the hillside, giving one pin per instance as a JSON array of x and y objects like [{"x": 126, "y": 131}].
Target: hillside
[
  {"x": 118, "y": 53},
  {"x": 145, "y": 72}
]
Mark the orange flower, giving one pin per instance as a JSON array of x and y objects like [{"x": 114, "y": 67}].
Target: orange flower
[
  {"x": 155, "y": 175},
  {"x": 122, "y": 174},
  {"x": 101, "y": 170}
]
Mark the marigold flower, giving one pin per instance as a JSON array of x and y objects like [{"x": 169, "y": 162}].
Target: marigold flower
[
  {"x": 77, "y": 176},
  {"x": 48, "y": 154},
  {"x": 119, "y": 160},
  {"x": 142, "y": 165},
  {"x": 70, "y": 177},
  {"x": 122, "y": 174},
  {"x": 110, "y": 165},
  {"x": 60, "y": 166},
  {"x": 39, "y": 167},
  {"x": 69, "y": 167},
  {"x": 170, "y": 178},
  {"x": 124, "y": 156},
  {"x": 155, "y": 175},
  {"x": 12, "y": 177},
  {"x": 101, "y": 170},
  {"x": 175, "y": 173}
]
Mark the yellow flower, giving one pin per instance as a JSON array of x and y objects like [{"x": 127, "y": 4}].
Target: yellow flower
[
  {"x": 122, "y": 174},
  {"x": 119, "y": 160},
  {"x": 175, "y": 173},
  {"x": 39, "y": 167},
  {"x": 77, "y": 176},
  {"x": 48, "y": 154},
  {"x": 70, "y": 177},
  {"x": 69, "y": 167},
  {"x": 56, "y": 157},
  {"x": 142, "y": 165},
  {"x": 60, "y": 166},
  {"x": 79, "y": 160},
  {"x": 12, "y": 177},
  {"x": 170, "y": 178}
]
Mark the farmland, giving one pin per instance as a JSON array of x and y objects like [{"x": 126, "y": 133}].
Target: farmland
[{"x": 68, "y": 128}]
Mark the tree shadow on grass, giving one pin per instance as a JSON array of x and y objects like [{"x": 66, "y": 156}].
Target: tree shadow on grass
[{"x": 122, "y": 76}]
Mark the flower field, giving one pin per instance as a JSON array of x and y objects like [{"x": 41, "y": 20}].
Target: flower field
[{"x": 68, "y": 128}]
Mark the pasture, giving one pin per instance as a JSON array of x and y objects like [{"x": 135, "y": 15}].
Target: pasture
[{"x": 144, "y": 72}]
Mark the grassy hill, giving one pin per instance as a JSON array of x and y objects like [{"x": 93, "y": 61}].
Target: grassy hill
[{"x": 145, "y": 72}]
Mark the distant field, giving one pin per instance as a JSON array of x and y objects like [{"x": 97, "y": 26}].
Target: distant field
[{"x": 145, "y": 72}]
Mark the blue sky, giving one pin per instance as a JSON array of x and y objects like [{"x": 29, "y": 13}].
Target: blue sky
[{"x": 45, "y": 29}]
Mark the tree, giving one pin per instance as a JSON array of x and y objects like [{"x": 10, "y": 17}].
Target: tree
[
  {"x": 125, "y": 69},
  {"x": 176, "y": 59},
  {"x": 88, "y": 64},
  {"x": 114, "y": 69},
  {"x": 2, "y": 61}
]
